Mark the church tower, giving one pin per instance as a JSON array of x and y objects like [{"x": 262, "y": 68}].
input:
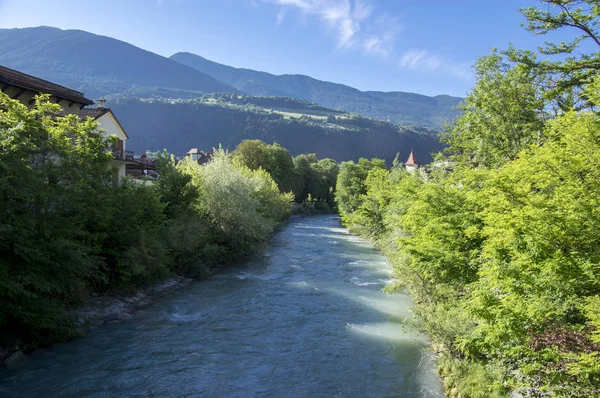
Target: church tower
[{"x": 411, "y": 164}]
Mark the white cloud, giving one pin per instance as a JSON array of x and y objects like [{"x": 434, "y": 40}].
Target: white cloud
[
  {"x": 358, "y": 25},
  {"x": 420, "y": 59},
  {"x": 362, "y": 10},
  {"x": 354, "y": 22},
  {"x": 375, "y": 45},
  {"x": 417, "y": 59},
  {"x": 280, "y": 16}
]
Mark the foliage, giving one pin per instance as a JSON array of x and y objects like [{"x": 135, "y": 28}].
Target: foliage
[
  {"x": 302, "y": 176},
  {"x": 46, "y": 253},
  {"x": 174, "y": 187},
  {"x": 505, "y": 99},
  {"x": 497, "y": 242},
  {"x": 351, "y": 183},
  {"x": 567, "y": 68},
  {"x": 243, "y": 205},
  {"x": 326, "y": 172},
  {"x": 502, "y": 263},
  {"x": 274, "y": 159},
  {"x": 69, "y": 227},
  {"x": 132, "y": 249}
]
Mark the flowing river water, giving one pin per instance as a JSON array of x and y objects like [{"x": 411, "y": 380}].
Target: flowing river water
[{"x": 307, "y": 318}]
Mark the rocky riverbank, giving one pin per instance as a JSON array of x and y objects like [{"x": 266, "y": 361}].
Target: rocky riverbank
[{"x": 102, "y": 309}]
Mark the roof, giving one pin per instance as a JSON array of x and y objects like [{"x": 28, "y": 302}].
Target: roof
[
  {"x": 28, "y": 82},
  {"x": 411, "y": 160},
  {"x": 193, "y": 151},
  {"x": 97, "y": 113}
]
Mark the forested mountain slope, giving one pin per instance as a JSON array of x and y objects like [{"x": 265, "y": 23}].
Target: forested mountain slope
[{"x": 301, "y": 127}]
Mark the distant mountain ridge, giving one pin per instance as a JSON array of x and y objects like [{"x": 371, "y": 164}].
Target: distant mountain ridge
[
  {"x": 399, "y": 107},
  {"x": 103, "y": 66},
  {"x": 98, "y": 65}
]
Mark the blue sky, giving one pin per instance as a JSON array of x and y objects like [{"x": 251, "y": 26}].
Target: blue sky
[{"x": 422, "y": 46}]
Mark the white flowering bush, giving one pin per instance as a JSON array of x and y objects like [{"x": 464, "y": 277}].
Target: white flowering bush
[{"x": 243, "y": 205}]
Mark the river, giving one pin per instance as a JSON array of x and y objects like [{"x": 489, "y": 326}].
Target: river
[{"x": 306, "y": 318}]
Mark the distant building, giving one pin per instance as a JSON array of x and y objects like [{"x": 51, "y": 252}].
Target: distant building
[
  {"x": 193, "y": 154},
  {"x": 199, "y": 157},
  {"x": 411, "y": 164},
  {"x": 23, "y": 87}
]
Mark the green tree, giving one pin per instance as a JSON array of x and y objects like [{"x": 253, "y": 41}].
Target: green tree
[
  {"x": 303, "y": 167},
  {"x": 54, "y": 172},
  {"x": 350, "y": 185},
  {"x": 327, "y": 171},
  {"x": 568, "y": 69},
  {"x": 503, "y": 114},
  {"x": 280, "y": 165},
  {"x": 541, "y": 257},
  {"x": 274, "y": 159},
  {"x": 174, "y": 187},
  {"x": 252, "y": 154}
]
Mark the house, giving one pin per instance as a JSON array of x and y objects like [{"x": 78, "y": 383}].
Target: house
[
  {"x": 123, "y": 160},
  {"x": 411, "y": 164},
  {"x": 199, "y": 157},
  {"x": 23, "y": 87},
  {"x": 109, "y": 125}
]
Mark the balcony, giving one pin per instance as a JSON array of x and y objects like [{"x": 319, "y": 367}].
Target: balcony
[{"x": 120, "y": 154}]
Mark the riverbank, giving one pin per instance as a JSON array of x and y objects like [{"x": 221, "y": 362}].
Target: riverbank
[
  {"x": 102, "y": 309},
  {"x": 451, "y": 370}
]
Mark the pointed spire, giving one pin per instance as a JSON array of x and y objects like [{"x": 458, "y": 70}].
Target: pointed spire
[{"x": 411, "y": 160}]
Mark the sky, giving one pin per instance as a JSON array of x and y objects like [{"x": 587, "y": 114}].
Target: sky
[{"x": 422, "y": 46}]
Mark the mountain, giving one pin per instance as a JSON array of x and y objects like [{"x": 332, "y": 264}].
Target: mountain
[
  {"x": 399, "y": 107},
  {"x": 164, "y": 102},
  {"x": 299, "y": 126},
  {"x": 103, "y": 66},
  {"x": 99, "y": 65}
]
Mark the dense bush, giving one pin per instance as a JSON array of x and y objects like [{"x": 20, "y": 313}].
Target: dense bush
[
  {"x": 242, "y": 205},
  {"x": 47, "y": 256},
  {"x": 68, "y": 227}
]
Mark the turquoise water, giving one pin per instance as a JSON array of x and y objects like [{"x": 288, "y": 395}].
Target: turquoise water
[{"x": 307, "y": 318}]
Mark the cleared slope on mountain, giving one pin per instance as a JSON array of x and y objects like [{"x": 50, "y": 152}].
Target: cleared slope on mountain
[
  {"x": 399, "y": 107},
  {"x": 99, "y": 65},
  {"x": 205, "y": 123}
]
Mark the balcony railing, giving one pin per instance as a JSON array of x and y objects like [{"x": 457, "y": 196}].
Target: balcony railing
[
  {"x": 142, "y": 162},
  {"x": 119, "y": 154}
]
